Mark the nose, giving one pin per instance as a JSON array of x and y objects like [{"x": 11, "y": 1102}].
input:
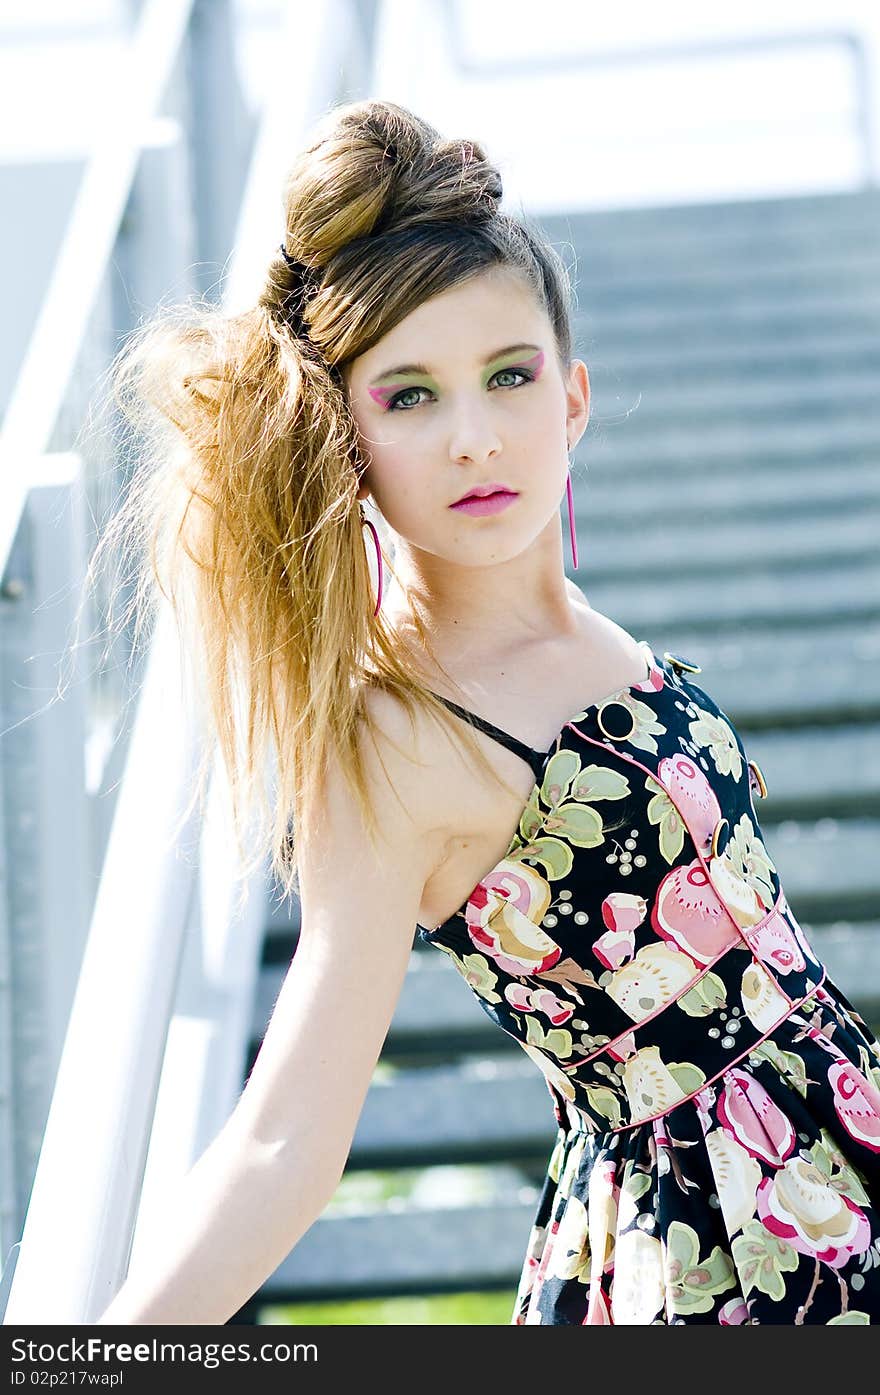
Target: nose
[{"x": 472, "y": 436}]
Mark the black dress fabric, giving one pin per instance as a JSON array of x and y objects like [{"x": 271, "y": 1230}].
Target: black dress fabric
[{"x": 717, "y": 1097}]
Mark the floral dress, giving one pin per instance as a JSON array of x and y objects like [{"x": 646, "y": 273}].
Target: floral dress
[{"x": 718, "y": 1098}]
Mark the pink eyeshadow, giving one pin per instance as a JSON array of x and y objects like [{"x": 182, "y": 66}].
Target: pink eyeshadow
[
  {"x": 534, "y": 364},
  {"x": 383, "y": 395}
]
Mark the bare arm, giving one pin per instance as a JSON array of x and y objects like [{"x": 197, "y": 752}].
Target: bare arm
[{"x": 273, "y": 1167}]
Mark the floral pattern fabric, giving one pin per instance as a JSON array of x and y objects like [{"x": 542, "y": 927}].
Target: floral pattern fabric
[{"x": 717, "y": 1097}]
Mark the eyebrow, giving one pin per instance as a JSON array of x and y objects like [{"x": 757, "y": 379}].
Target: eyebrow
[{"x": 404, "y": 368}]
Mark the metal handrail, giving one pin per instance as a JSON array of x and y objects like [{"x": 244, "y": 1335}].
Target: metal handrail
[
  {"x": 577, "y": 59},
  {"x": 108, "y": 1154},
  {"x": 84, "y": 1198},
  {"x": 85, "y": 251}
]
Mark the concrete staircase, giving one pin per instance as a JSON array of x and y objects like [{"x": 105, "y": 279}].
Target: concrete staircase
[{"x": 728, "y": 503}]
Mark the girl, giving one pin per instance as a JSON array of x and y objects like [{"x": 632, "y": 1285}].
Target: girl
[{"x": 467, "y": 746}]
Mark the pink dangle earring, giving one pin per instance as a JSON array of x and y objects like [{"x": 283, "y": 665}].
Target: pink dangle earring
[
  {"x": 379, "y": 582},
  {"x": 571, "y": 529}
]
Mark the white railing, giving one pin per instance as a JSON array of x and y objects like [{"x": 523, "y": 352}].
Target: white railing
[
  {"x": 789, "y": 40},
  {"x": 47, "y": 888},
  {"x": 154, "y": 1049},
  {"x": 86, "y": 248},
  {"x": 665, "y": 99}
]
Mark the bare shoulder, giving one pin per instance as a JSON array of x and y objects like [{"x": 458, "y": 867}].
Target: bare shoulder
[
  {"x": 408, "y": 787},
  {"x": 609, "y": 638},
  {"x": 414, "y": 755}
]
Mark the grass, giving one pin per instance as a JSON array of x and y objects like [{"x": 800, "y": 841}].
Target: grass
[{"x": 471, "y": 1309}]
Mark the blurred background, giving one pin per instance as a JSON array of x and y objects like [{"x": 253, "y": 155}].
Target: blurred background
[{"x": 709, "y": 174}]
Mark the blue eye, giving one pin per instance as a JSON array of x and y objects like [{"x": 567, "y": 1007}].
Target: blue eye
[
  {"x": 392, "y": 405},
  {"x": 519, "y": 372}
]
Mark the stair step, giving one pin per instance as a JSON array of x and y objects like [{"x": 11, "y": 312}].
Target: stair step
[
  {"x": 787, "y": 678},
  {"x": 738, "y": 227},
  {"x": 611, "y": 495},
  {"x": 800, "y": 596},
  {"x": 497, "y": 1113},
  {"x": 817, "y": 772},
  {"x": 725, "y": 288},
  {"x": 667, "y": 390},
  {"x": 414, "y": 1251},
  {"x": 723, "y": 445},
  {"x": 706, "y": 547},
  {"x": 850, "y": 950},
  {"x": 830, "y": 871},
  {"x": 715, "y": 340},
  {"x": 650, "y": 404},
  {"x": 746, "y": 361},
  {"x": 777, "y": 316},
  {"x": 786, "y": 271}
]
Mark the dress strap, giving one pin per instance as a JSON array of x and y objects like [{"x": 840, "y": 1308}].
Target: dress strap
[{"x": 536, "y": 759}]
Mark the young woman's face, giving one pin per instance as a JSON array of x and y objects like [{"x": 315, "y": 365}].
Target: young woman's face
[{"x": 467, "y": 391}]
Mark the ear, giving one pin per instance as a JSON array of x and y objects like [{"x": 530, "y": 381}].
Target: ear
[{"x": 577, "y": 401}]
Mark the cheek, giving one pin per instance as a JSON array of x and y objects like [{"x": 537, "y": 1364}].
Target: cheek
[
  {"x": 389, "y": 465},
  {"x": 396, "y": 483}
]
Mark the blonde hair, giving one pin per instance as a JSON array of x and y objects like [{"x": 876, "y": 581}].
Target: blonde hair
[{"x": 243, "y": 508}]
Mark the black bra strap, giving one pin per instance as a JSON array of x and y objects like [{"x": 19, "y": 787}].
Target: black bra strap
[{"x": 536, "y": 759}]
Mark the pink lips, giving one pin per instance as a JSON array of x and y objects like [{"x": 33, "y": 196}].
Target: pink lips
[{"x": 489, "y": 503}]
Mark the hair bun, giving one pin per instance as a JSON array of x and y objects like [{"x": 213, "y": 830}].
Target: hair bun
[{"x": 375, "y": 166}]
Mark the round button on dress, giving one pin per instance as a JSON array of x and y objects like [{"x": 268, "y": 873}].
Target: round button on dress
[{"x": 615, "y": 721}]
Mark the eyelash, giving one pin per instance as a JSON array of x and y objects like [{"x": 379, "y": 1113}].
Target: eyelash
[{"x": 523, "y": 373}]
